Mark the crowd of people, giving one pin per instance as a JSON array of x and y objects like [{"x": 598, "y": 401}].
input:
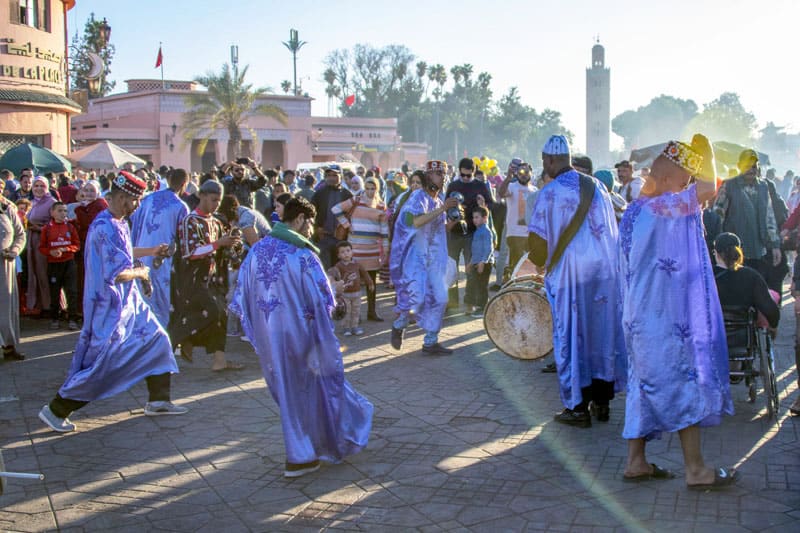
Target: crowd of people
[{"x": 152, "y": 263}]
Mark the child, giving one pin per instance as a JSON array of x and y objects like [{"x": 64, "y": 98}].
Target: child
[
  {"x": 59, "y": 243},
  {"x": 480, "y": 267},
  {"x": 280, "y": 203},
  {"x": 352, "y": 275}
]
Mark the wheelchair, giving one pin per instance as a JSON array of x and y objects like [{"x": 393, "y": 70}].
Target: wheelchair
[{"x": 750, "y": 347}]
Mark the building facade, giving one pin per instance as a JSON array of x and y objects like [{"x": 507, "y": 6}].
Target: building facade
[
  {"x": 147, "y": 121},
  {"x": 33, "y": 75},
  {"x": 598, "y": 108}
]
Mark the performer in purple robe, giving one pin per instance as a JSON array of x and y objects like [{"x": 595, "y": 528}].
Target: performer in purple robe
[
  {"x": 284, "y": 301},
  {"x": 678, "y": 357},
  {"x": 418, "y": 260},
  {"x": 582, "y": 287},
  {"x": 154, "y": 223},
  {"x": 121, "y": 342}
]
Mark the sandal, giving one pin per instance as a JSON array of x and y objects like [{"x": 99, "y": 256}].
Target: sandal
[
  {"x": 723, "y": 478},
  {"x": 229, "y": 366},
  {"x": 657, "y": 473},
  {"x": 10, "y": 353}
]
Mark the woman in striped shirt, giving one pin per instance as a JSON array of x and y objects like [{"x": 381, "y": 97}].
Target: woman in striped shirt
[{"x": 369, "y": 234}]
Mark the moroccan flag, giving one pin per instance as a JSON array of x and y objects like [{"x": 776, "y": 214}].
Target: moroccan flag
[
  {"x": 159, "y": 59},
  {"x": 350, "y": 100}
]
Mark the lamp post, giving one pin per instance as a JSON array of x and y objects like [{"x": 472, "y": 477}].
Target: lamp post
[
  {"x": 97, "y": 72},
  {"x": 294, "y": 44}
]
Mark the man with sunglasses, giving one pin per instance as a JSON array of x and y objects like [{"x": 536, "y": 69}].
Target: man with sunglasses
[
  {"x": 238, "y": 183},
  {"x": 458, "y": 240}
]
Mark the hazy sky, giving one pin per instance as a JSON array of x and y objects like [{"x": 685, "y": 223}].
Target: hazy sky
[{"x": 687, "y": 49}]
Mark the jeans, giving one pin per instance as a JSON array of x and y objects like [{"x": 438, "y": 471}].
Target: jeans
[{"x": 458, "y": 243}]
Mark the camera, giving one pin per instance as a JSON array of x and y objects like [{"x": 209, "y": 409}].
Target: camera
[
  {"x": 236, "y": 252},
  {"x": 456, "y": 214},
  {"x": 243, "y": 161}
]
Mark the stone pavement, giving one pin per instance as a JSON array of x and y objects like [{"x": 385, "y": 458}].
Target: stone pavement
[{"x": 465, "y": 442}]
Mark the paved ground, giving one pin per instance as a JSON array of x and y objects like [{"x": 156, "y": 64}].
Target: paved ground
[{"x": 464, "y": 442}]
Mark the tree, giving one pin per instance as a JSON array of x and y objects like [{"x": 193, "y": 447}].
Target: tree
[
  {"x": 664, "y": 118},
  {"x": 227, "y": 104},
  {"x": 725, "y": 119},
  {"x": 83, "y": 52},
  {"x": 454, "y": 121},
  {"x": 286, "y": 86}
]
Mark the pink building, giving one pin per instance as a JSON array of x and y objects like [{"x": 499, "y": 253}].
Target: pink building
[
  {"x": 146, "y": 120},
  {"x": 34, "y": 106}
]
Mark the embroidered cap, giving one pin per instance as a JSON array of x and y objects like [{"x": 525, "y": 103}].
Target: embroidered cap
[
  {"x": 436, "y": 166},
  {"x": 211, "y": 187},
  {"x": 130, "y": 184},
  {"x": 684, "y": 156},
  {"x": 556, "y": 145}
]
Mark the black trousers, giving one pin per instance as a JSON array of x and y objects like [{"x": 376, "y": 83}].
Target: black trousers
[
  {"x": 63, "y": 275},
  {"x": 600, "y": 392},
  {"x": 478, "y": 285},
  {"x": 372, "y": 294},
  {"x": 157, "y": 388}
]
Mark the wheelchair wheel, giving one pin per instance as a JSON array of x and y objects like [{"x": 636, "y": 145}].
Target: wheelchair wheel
[{"x": 767, "y": 372}]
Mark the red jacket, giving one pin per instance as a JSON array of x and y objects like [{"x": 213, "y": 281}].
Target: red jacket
[
  {"x": 64, "y": 236},
  {"x": 85, "y": 214}
]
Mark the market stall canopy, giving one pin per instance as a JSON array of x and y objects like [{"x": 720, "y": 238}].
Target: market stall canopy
[
  {"x": 104, "y": 155},
  {"x": 29, "y": 155},
  {"x": 726, "y": 155}
]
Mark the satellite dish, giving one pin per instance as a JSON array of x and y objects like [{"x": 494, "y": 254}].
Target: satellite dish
[{"x": 97, "y": 66}]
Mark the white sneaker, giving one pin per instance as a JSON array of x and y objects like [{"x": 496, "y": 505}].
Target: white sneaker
[
  {"x": 62, "y": 425},
  {"x": 245, "y": 338},
  {"x": 295, "y": 470},
  {"x": 163, "y": 408},
  {"x": 348, "y": 332},
  {"x": 358, "y": 331}
]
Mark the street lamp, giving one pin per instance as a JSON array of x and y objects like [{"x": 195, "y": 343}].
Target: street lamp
[
  {"x": 169, "y": 139},
  {"x": 103, "y": 35}
]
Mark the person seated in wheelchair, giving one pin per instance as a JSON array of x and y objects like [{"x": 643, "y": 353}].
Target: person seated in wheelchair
[{"x": 740, "y": 288}]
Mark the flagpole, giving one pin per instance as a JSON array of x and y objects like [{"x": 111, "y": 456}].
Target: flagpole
[{"x": 163, "y": 87}]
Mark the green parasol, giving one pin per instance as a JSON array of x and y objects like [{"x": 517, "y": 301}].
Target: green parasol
[{"x": 38, "y": 158}]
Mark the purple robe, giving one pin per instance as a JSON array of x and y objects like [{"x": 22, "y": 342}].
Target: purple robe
[
  {"x": 583, "y": 288},
  {"x": 418, "y": 262},
  {"x": 121, "y": 342},
  {"x": 156, "y": 222},
  {"x": 674, "y": 330},
  {"x": 284, "y": 300}
]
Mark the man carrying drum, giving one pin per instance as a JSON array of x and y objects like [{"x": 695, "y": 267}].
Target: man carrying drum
[{"x": 573, "y": 234}]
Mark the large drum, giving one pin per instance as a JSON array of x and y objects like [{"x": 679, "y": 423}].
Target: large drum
[{"x": 518, "y": 319}]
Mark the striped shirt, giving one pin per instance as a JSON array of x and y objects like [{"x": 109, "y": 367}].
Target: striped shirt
[{"x": 369, "y": 231}]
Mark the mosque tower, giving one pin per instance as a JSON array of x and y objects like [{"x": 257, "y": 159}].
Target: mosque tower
[{"x": 598, "y": 108}]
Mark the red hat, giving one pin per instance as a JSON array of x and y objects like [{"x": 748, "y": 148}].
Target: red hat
[
  {"x": 130, "y": 184},
  {"x": 436, "y": 166}
]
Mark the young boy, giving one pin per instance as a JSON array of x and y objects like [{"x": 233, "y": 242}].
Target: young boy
[
  {"x": 480, "y": 267},
  {"x": 59, "y": 243},
  {"x": 352, "y": 275}
]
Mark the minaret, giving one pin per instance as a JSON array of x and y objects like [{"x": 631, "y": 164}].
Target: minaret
[{"x": 598, "y": 108}]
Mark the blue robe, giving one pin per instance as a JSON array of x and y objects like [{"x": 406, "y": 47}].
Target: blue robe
[
  {"x": 156, "y": 222},
  {"x": 418, "y": 262},
  {"x": 674, "y": 330},
  {"x": 121, "y": 342},
  {"x": 284, "y": 300},
  {"x": 583, "y": 288}
]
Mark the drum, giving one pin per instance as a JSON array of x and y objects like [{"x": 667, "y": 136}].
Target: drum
[{"x": 518, "y": 320}]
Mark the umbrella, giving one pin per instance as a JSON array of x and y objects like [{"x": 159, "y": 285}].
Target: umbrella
[
  {"x": 105, "y": 155},
  {"x": 38, "y": 158}
]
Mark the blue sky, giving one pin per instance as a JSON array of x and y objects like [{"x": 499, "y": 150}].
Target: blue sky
[{"x": 688, "y": 49}]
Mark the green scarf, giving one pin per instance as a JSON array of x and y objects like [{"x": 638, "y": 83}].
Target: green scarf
[{"x": 283, "y": 232}]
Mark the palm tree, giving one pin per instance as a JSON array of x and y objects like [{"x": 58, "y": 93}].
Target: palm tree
[
  {"x": 227, "y": 104},
  {"x": 454, "y": 121},
  {"x": 438, "y": 75},
  {"x": 286, "y": 86}
]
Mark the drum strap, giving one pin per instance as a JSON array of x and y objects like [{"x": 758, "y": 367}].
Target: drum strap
[{"x": 587, "y": 194}]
